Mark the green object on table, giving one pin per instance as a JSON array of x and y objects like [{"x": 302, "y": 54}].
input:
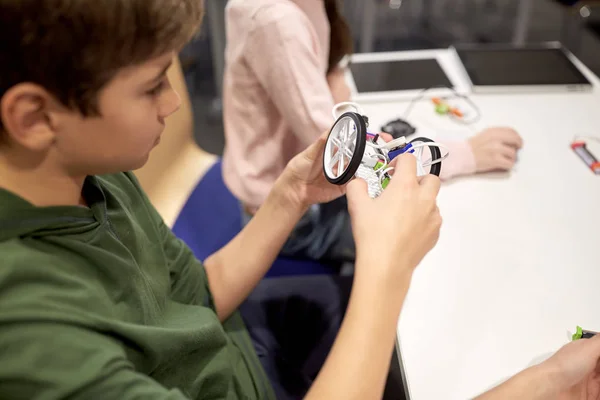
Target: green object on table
[
  {"x": 442, "y": 108},
  {"x": 577, "y": 335}
]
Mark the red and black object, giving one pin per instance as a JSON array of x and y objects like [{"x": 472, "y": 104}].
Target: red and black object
[{"x": 580, "y": 148}]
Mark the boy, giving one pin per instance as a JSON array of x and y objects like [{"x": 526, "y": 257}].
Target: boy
[{"x": 98, "y": 299}]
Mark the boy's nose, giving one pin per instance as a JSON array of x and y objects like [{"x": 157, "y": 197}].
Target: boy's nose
[{"x": 171, "y": 104}]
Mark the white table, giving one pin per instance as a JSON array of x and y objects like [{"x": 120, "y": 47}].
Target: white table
[{"x": 516, "y": 267}]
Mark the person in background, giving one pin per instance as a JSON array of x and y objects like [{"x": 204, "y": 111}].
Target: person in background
[{"x": 282, "y": 78}]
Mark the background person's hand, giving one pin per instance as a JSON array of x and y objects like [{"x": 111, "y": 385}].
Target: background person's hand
[
  {"x": 572, "y": 373},
  {"x": 495, "y": 149},
  {"x": 401, "y": 224}
]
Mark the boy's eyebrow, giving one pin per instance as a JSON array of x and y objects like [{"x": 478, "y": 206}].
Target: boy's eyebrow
[{"x": 163, "y": 72}]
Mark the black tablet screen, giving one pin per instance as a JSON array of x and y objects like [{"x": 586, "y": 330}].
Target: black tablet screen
[
  {"x": 520, "y": 67},
  {"x": 383, "y": 76}
]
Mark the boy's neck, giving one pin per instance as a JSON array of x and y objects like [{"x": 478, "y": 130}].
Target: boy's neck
[{"x": 41, "y": 185}]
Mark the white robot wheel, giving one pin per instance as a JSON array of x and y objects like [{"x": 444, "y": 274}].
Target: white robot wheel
[
  {"x": 345, "y": 148},
  {"x": 434, "y": 163}
]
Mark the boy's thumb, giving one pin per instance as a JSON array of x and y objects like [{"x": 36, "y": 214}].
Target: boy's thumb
[
  {"x": 357, "y": 191},
  {"x": 315, "y": 150}
]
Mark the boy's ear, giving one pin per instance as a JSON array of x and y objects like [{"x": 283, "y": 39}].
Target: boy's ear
[{"x": 26, "y": 112}]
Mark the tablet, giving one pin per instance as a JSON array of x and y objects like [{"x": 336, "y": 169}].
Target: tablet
[
  {"x": 398, "y": 75},
  {"x": 532, "y": 68}
]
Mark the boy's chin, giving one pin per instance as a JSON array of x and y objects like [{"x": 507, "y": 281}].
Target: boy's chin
[
  {"x": 140, "y": 163},
  {"x": 116, "y": 168}
]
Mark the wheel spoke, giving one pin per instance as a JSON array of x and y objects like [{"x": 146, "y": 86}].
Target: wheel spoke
[
  {"x": 349, "y": 153},
  {"x": 344, "y": 133},
  {"x": 334, "y": 151},
  {"x": 336, "y": 141},
  {"x": 335, "y": 159},
  {"x": 341, "y": 165},
  {"x": 351, "y": 147}
]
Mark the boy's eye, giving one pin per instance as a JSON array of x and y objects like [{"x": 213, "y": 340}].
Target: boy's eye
[{"x": 157, "y": 89}]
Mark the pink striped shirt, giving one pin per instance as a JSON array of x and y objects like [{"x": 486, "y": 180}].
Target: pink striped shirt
[{"x": 276, "y": 99}]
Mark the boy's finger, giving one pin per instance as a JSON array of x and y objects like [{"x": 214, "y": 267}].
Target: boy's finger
[
  {"x": 431, "y": 184},
  {"x": 357, "y": 191},
  {"x": 315, "y": 150},
  {"x": 405, "y": 171},
  {"x": 386, "y": 136}
]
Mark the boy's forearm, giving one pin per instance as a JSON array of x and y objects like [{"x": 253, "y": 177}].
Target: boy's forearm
[
  {"x": 236, "y": 269},
  {"x": 358, "y": 364},
  {"x": 534, "y": 383}
]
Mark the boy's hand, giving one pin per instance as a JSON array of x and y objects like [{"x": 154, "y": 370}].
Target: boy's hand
[
  {"x": 401, "y": 225},
  {"x": 304, "y": 179},
  {"x": 495, "y": 149}
]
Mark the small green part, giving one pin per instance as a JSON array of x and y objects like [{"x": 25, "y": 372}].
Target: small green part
[
  {"x": 385, "y": 182},
  {"x": 577, "y": 335},
  {"x": 442, "y": 108}
]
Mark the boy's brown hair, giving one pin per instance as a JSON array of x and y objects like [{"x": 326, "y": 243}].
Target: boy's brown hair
[{"x": 73, "y": 48}]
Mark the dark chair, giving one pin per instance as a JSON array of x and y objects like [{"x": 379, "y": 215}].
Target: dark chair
[{"x": 212, "y": 217}]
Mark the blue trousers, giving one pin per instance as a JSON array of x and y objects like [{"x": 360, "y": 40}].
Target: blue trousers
[
  {"x": 323, "y": 234},
  {"x": 293, "y": 322}
]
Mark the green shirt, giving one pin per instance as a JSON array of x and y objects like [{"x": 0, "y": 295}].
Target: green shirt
[{"x": 106, "y": 303}]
